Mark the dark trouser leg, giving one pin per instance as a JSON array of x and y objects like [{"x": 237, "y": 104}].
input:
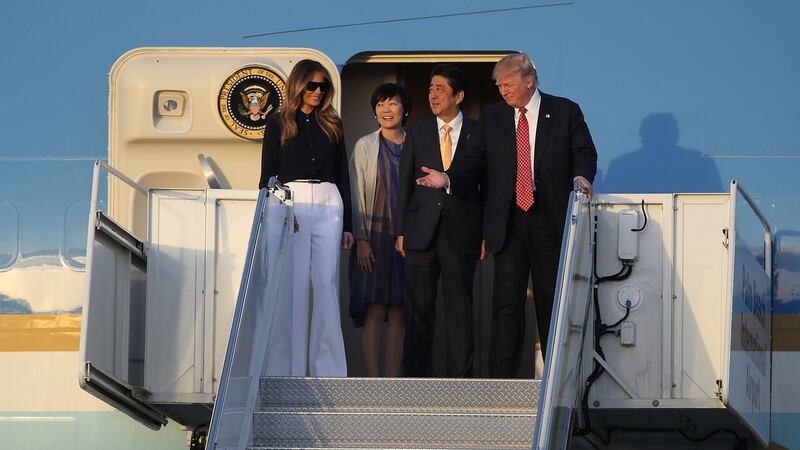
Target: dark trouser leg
[
  {"x": 458, "y": 276},
  {"x": 422, "y": 274},
  {"x": 511, "y": 269},
  {"x": 545, "y": 248}
]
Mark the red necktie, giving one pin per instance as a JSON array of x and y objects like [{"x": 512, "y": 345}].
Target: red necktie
[{"x": 524, "y": 187}]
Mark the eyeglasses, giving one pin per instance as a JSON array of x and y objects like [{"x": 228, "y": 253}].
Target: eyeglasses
[{"x": 312, "y": 86}]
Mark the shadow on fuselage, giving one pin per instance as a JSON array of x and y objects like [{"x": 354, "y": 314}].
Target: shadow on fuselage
[{"x": 660, "y": 165}]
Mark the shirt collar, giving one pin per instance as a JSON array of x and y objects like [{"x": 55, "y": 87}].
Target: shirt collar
[
  {"x": 455, "y": 123},
  {"x": 300, "y": 116},
  {"x": 533, "y": 103}
]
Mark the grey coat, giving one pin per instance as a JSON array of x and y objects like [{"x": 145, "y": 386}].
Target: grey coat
[{"x": 363, "y": 176}]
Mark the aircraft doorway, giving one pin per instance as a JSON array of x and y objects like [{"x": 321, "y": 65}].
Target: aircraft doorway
[
  {"x": 365, "y": 71},
  {"x": 360, "y": 76}
]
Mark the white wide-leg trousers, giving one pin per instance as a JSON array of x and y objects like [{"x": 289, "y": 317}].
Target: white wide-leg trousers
[{"x": 317, "y": 342}]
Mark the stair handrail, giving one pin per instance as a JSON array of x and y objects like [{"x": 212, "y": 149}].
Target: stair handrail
[
  {"x": 558, "y": 334},
  {"x": 236, "y": 343}
]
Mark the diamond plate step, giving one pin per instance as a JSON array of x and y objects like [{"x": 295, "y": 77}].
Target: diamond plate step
[
  {"x": 398, "y": 395},
  {"x": 403, "y": 446},
  {"x": 397, "y": 430}
]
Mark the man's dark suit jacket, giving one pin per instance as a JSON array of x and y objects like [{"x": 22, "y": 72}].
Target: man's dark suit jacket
[
  {"x": 419, "y": 208},
  {"x": 564, "y": 149}
]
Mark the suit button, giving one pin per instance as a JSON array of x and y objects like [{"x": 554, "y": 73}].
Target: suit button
[{"x": 438, "y": 203}]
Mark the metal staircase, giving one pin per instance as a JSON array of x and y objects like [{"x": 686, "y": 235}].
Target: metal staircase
[
  {"x": 696, "y": 373},
  {"x": 258, "y": 407},
  {"x": 395, "y": 413}
]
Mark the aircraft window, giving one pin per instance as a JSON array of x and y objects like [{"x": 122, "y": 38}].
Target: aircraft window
[
  {"x": 9, "y": 235},
  {"x": 73, "y": 239}
]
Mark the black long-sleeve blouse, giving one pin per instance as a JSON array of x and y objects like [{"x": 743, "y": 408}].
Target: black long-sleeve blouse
[{"x": 309, "y": 155}]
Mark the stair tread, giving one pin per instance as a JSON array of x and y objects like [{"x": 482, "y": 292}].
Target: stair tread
[
  {"x": 393, "y": 413},
  {"x": 398, "y": 445},
  {"x": 409, "y": 428},
  {"x": 300, "y": 412},
  {"x": 399, "y": 394}
]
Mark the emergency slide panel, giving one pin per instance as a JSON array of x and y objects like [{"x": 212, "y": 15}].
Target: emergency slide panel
[
  {"x": 561, "y": 383},
  {"x": 175, "y": 300},
  {"x": 700, "y": 282},
  {"x": 746, "y": 387},
  {"x": 229, "y": 215},
  {"x": 112, "y": 334}
]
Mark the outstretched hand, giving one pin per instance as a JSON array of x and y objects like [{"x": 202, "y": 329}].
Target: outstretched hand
[{"x": 433, "y": 179}]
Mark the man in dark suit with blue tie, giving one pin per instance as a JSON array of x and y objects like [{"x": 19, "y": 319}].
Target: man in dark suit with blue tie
[
  {"x": 534, "y": 147},
  {"x": 438, "y": 233}
]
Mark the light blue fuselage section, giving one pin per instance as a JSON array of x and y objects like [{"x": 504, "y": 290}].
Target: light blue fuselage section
[{"x": 679, "y": 97}]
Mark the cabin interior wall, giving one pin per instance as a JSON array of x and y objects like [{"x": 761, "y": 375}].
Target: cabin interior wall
[{"x": 358, "y": 82}]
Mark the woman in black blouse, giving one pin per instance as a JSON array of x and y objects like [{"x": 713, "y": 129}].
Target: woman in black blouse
[{"x": 304, "y": 147}]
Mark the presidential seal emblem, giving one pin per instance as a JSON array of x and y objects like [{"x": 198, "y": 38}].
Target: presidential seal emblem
[{"x": 247, "y": 98}]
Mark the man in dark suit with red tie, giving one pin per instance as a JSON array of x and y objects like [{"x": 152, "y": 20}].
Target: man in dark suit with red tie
[
  {"x": 534, "y": 147},
  {"x": 439, "y": 234}
]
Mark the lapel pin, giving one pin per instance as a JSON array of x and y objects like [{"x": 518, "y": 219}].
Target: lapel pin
[{"x": 547, "y": 116}]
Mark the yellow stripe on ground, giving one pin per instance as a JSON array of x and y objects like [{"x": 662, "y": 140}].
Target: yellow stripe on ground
[{"x": 40, "y": 332}]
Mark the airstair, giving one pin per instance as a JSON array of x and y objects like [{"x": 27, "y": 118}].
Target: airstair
[
  {"x": 671, "y": 351},
  {"x": 264, "y": 409}
]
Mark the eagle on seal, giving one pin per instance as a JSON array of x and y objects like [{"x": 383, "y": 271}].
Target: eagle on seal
[{"x": 256, "y": 104}]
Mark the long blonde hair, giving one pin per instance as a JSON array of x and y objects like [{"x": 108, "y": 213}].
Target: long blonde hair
[{"x": 327, "y": 117}]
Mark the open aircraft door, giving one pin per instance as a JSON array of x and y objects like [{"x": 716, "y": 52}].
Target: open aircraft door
[
  {"x": 112, "y": 329},
  {"x": 169, "y": 107}
]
